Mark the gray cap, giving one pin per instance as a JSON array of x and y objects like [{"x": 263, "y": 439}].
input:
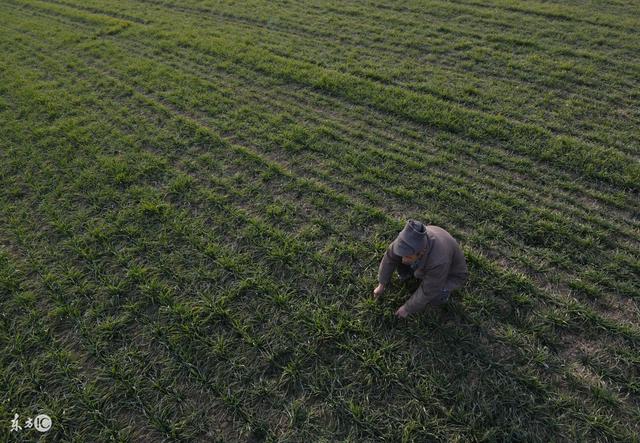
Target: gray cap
[{"x": 411, "y": 240}]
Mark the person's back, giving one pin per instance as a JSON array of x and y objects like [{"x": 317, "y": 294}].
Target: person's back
[{"x": 442, "y": 249}]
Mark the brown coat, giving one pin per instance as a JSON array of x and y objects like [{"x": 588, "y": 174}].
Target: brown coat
[{"x": 442, "y": 266}]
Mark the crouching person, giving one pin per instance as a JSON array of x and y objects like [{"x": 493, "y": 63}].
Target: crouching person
[{"x": 430, "y": 254}]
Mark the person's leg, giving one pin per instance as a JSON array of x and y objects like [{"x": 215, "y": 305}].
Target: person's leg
[
  {"x": 419, "y": 300},
  {"x": 453, "y": 282}
]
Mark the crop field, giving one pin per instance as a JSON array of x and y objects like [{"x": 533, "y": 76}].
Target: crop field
[{"x": 195, "y": 196}]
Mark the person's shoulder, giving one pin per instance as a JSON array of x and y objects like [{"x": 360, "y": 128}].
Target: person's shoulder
[{"x": 390, "y": 253}]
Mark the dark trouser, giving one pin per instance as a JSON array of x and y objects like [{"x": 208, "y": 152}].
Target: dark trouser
[{"x": 419, "y": 300}]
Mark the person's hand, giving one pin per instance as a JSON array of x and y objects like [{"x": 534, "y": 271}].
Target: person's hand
[
  {"x": 402, "y": 312},
  {"x": 377, "y": 292}
]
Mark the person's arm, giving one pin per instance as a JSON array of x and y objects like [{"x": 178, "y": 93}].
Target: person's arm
[
  {"x": 432, "y": 283},
  {"x": 388, "y": 264}
]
